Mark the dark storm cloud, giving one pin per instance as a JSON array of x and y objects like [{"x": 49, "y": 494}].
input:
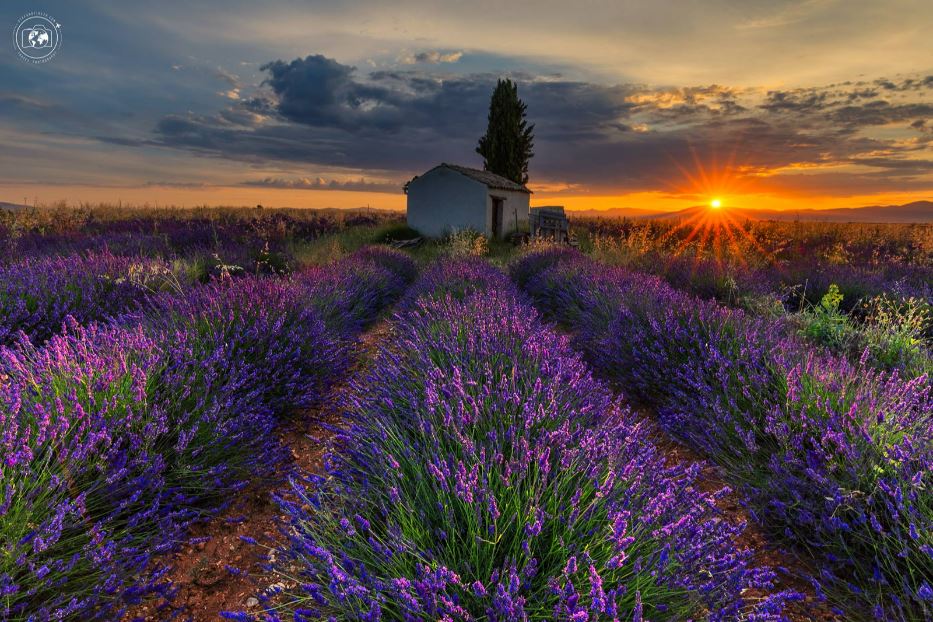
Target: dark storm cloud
[
  {"x": 294, "y": 143},
  {"x": 316, "y": 110},
  {"x": 321, "y": 92}
]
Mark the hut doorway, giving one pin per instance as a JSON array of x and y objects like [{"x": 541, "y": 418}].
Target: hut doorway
[{"x": 497, "y": 217}]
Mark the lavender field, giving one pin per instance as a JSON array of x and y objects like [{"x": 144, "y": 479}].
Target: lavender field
[{"x": 332, "y": 429}]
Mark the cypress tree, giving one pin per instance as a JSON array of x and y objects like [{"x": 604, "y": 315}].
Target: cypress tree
[{"x": 507, "y": 145}]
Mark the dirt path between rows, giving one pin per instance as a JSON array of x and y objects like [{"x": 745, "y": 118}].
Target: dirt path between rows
[
  {"x": 711, "y": 479},
  {"x": 764, "y": 552},
  {"x": 218, "y": 570}
]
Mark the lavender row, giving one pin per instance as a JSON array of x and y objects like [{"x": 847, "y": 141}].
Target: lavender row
[
  {"x": 485, "y": 475},
  {"x": 116, "y": 437},
  {"x": 797, "y": 285},
  {"x": 885, "y": 309},
  {"x": 168, "y": 234},
  {"x": 37, "y": 295},
  {"x": 834, "y": 457}
]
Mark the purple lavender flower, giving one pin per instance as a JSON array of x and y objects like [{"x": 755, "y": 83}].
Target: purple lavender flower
[
  {"x": 36, "y": 295},
  {"x": 833, "y": 457},
  {"x": 114, "y": 438},
  {"x": 444, "y": 457}
]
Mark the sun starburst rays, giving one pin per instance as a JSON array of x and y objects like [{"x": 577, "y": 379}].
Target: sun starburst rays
[{"x": 711, "y": 230}]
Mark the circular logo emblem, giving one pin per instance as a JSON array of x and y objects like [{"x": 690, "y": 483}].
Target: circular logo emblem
[{"x": 37, "y": 37}]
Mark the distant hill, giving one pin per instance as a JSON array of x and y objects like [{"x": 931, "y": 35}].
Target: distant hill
[
  {"x": 12, "y": 206},
  {"x": 916, "y": 212},
  {"x": 614, "y": 212}
]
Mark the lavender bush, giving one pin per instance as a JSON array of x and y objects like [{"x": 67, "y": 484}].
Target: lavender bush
[
  {"x": 37, "y": 295},
  {"x": 80, "y": 489},
  {"x": 902, "y": 339},
  {"x": 70, "y": 232},
  {"x": 267, "y": 327},
  {"x": 397, "y": 262},
  {"x": 367, "y": 281},
  {"x": 798, "y": 261},
  {"x": 486, "y": 475},
  {"x": 807, "y": 286},
  {"x": 116, "y": 437},
  {"x": 834, "y": 457}
]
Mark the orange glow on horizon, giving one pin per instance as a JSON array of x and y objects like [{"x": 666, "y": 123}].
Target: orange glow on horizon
[
  {"x": 715, "y": 203},
  {"x": 697, "y": 182},
  {"x": 670, "y": 202},
  {"x": 662, "y": 200}
]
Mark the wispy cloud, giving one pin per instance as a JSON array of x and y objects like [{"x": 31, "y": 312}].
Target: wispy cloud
[
  {"x": 430, "y": 57},
  {"x": 319, "y": 183},
  {"x": 785, "y": 14}
]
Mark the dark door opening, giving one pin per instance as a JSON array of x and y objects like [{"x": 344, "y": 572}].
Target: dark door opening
[{"x": 497, "y": 217}]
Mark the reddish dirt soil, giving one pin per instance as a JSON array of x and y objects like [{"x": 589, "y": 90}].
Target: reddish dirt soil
[{"x": 200, "y": 570}]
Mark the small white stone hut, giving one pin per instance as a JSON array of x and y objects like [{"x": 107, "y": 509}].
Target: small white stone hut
[{"x": 451, "y": 198}]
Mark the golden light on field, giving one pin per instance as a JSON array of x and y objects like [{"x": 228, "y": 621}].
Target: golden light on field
[{"x": 717, "y": 232}]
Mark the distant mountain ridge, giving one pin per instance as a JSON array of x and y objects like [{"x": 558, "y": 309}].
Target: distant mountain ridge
[
  {"x": 915, "y": 212},
  {"x": 12, "y": 206},
  {"x": 616, "y": 212}
]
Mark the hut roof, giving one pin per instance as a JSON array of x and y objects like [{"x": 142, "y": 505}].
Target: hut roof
[{"x": 491, "y": 180}]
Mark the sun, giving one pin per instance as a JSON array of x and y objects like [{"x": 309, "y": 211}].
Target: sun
[{"x": 715, "y": 203}]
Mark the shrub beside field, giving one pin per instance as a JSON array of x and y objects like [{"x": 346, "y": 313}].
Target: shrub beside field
[
  {"x": 834, "y": 457},
  {"x": 115, "y": 437},
  {"x": 484, "y": 474},
  {"x": 890, "y": 333}
]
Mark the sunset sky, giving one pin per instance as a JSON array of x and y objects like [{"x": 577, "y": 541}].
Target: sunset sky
[{"x": 656, "y": 105}]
